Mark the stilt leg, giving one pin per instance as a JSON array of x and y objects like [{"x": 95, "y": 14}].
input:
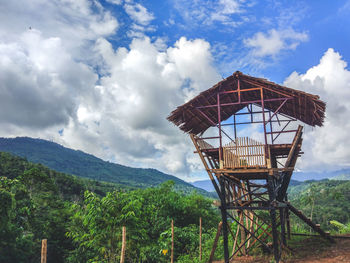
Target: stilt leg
[
  {"x": 283, "y": 226},
  {"x": 224, "y": 219},
  {"x": 273, "y": 219}
]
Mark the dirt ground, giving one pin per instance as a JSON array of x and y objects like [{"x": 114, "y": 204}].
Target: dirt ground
[
  {"x": 309, "y": 250},
  {"x": 338, "y": 252}
]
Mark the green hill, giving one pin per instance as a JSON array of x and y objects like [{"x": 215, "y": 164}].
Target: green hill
[
  {"x": 323, "y": 200},
  {"x": 69, "y": 187},
  {"x": 341, "y": 177},
  {"x": 81, "y": 164}
]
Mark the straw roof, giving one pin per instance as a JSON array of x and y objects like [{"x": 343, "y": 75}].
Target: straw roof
[{"x": 301, "y": 105}]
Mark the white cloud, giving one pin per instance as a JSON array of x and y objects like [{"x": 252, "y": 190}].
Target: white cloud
[
  {"x": 75, "y": 21},
  {"x": 116, "y": 2},
  {"x": 40, "y": 87},
  {"x": 275, "y": 41},
  {"x": 197, "y": 13},
  {"x": 139, "y": 13},
  {"x": 143, "y": 85},
  {"x": 328, "y": 146},
  {"x": 141, "y": 18}
]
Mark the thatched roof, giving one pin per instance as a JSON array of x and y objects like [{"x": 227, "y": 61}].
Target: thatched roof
[{"x": 301, "y": 105}]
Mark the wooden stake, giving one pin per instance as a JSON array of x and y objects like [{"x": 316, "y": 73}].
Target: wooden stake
[
  {"x": 172, "y": 241},
  {"x": 200, "y": 238},
  {"x": 215, "y": 243},
  {"x": 122, "y": 256},
  {"x": 43, "y": 250}
]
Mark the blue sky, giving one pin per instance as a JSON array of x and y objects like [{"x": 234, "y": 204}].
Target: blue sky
[
  {"x": 102, "y": 76},
  {"x": 324, "y": 23}
]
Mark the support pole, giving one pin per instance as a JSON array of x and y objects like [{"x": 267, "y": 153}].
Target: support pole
[
  {"x": 283, "y": 226},
  {"x": 172, "y": 241},
  {"x": 122, "y": 255},
  {"x": 43, "y": 250},
  {"x": 200, "y": 238},
  {"x": 273, "y": 218},
  {"x": 287, "y": 219},
  {"x": 224, "y": 219}
]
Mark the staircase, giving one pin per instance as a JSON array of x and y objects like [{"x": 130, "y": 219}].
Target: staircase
[{"x": 315, "y": 227}]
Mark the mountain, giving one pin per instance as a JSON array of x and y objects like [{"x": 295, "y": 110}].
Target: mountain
[
  {"x": 207, "y": 185},
  {"x": 320, "y": 175},
  {"x": 78, "y": 163},
  {"x": 341, "y": 177}
]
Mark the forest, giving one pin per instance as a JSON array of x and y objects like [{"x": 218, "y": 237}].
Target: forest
[{"x": 82, "y": 219}]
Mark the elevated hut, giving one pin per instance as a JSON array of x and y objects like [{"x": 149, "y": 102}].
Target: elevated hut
[{"x": 251, "y": 171}]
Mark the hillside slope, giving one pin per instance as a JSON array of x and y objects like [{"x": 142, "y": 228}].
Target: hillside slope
[
  {"x": 81, "y": 164},
  {"x": 324, "y": 201}
]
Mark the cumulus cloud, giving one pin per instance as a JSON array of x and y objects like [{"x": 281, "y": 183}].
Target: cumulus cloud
[
  {"x": 143, "y": 85},
  {"x": 39, "y": 84},
  {"x": 45, "y": 64},
  {"x": 327, "y": 146},
  {"x": 274, "y": 41}
]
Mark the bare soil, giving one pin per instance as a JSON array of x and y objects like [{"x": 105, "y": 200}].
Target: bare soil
[{"x": 308, "y": 250}]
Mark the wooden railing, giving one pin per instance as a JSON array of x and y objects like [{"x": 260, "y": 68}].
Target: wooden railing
[{"x": 244, "y": 152}]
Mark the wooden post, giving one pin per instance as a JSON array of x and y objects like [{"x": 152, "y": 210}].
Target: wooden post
[
  {"x": 200, "y": 238},
  {"x": 43, "y": 250},
  {"x": 215, "y": 243},
  {"x": 122, "y": 256},
  {"x": 224, "y": 219},
  {"x": 172, "y": 241}
]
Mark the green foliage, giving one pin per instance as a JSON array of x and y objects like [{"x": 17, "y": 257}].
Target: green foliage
[
  {"x": 35, "y": 205},
  {"x": 342, "y": 228},
  {"x": 147, "y": 215},
  {"x": 325, "y": 200}
]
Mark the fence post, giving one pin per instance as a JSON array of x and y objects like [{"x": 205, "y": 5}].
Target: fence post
[
  {"x": 172, "y": 241},
  {"x": 200, "y": 238},
  {"x": 43, "y": 250},
  {"x": 122, "y": 256}
]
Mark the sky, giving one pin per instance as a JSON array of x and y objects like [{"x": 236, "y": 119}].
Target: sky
[{"x": 102, "y": 76}]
